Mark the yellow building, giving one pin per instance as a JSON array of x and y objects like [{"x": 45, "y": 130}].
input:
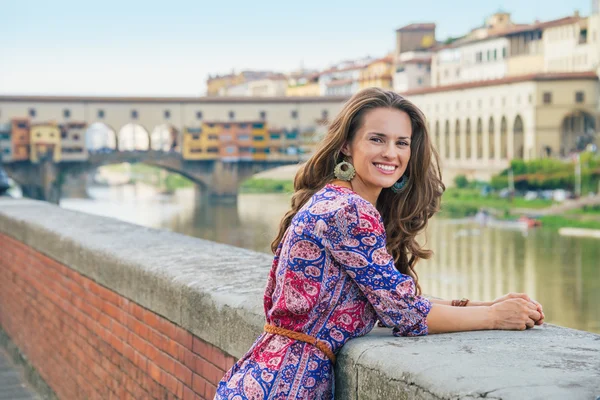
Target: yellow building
[
  {"x": 215, "y": 84},
  {"x": 304, "y": 86},
  {"x": 201, "y": 143},
  {"x": 377, "y": 74},
  {"x": 45, "y": 142},
  {"x": 260, "y": 140}
]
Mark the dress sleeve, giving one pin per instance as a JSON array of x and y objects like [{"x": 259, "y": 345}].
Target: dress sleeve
[{"x": 357, "y": 241}]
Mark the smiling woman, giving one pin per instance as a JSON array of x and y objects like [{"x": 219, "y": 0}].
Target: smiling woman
[{"x": 345, "y": 255}]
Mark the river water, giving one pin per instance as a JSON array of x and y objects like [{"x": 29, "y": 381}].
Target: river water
[{"x": 563, "y": 273}]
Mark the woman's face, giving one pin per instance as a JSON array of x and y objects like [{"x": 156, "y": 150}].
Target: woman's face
[{"x": 380, "y": 150}]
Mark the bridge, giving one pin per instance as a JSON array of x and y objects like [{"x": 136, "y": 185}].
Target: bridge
[
  {"x": 216, "y": 179},
  {"x": 95, "y": 308}
]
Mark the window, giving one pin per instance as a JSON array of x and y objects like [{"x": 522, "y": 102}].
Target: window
[
  {"x": 213, "y": 137},
  {"x": 258, "y": 126},
  {"x": 231, "y": 115},
  {"x": 420, "y": 81},
  {"x": 259, "y": 138},
  {"x": 243, "y": 126},
  {"x": 243, "y": 137},
  {"x": 195, "y": 137},
  {"x": 75, "y": 137},
  {"x": 263, "y": 115},
  {"x": 230, "y": 149},
  {"x": 478, "y": 57},
  {"x": 495, "y": 54},
  {"x": 294, "y": 114},
  {"x": 226, "y": 126},
  {"x": 504, "y": 52},
  {"x": 579, "y": 97},
  {"x": 167, "y": 114},
  {"x": 66, "y": 113},
  {"x": 583, "y": 36},
  {"x": 324, "y": 114},
  {"x": 275, "y": 136},
  {"x": 547, "y": 97},
  {"x": 212, "y": 150},
  {"x": 291, "y": 135},
  {"x": 134, "y": 114},
  {"x": 198, "y": 114},
  {"x": 32, "y": 112},
  {"x": 63, "y": 134}
]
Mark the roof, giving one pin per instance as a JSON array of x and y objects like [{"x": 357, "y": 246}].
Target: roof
[
  {"x": 416, "y": 61},
  {"x": 387, "y": 59},
  {"x": 552, "y": 76},
  {"x": 341, "y": 82},
  {"x": 512, "y": 30},
  {"x": 423, "y": 26}
]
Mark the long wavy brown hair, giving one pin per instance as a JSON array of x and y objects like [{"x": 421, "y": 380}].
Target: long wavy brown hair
[{"x": 404, "y": 214}]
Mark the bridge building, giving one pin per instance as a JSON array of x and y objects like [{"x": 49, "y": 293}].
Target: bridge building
[
  {"x": 45, "y": 142},
  {"x": 5, "y": 143},
  {"x": 72, "y": 141},
  {"x": 20, "y": 138}
]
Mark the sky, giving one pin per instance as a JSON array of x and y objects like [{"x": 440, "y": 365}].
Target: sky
[{"x": 168, "y": 48}]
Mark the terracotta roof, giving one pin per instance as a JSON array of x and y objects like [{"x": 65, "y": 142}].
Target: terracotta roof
[
  {"x": 416, "y": 61},
  {"x": 340, "y": 82},
  {"x": 417, "y": 27},
  {"x": 388, "y": 59},
  {"x": 508, "y": 80},
  {"x": 512, "y": 30},
  {"x": 172, "y": 100}
]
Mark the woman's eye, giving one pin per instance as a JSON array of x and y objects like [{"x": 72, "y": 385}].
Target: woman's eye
[
  {"x": 403, "y": 143},
  {"x": 376, "y": 139}
]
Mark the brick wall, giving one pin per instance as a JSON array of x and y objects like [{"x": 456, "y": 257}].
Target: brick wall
[{"x": 88, "y": 342}]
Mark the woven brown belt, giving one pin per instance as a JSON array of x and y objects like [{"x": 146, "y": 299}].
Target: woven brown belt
[{"x": 302, "y": 337}]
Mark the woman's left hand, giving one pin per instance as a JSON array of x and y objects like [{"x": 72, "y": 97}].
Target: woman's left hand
[{"x": 525, "y": 297}]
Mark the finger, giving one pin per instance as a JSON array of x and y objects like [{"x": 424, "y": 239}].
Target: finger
[
  {"x": 534, "y": 315},
  {"x": 531, "y": 306},
  {"x": 530, "y": 323},
  {"x": 519, "y": 296}
]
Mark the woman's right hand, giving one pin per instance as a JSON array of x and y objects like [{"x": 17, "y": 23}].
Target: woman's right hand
[{"x": 514, "y": 314}]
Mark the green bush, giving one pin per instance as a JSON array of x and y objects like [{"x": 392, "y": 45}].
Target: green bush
[
  {"x": 267, "y": 186},
  {"x": 461, "y": 181}
]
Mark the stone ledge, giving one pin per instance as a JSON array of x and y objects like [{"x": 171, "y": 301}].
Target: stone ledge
[{"x": 215, "y": 291}]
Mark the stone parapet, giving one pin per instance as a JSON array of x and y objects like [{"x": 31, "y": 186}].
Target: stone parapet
[{"x": 206, "y": 299}]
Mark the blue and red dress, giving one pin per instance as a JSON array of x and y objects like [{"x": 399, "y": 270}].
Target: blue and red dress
[{"x": 332, "y": 278}]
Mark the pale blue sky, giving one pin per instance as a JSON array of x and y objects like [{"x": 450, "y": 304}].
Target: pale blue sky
[{"x": 169, "y": 47}]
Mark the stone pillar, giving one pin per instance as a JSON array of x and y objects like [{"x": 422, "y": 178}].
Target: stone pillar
[{"x": 224, "y": 188}]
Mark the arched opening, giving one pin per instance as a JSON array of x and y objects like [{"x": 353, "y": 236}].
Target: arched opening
[
  {"x": 133, "y": 137},
  {"x": 479, "y": 139},
  {"x": 100, "y": 138},
  {"x": 491, "y": 143},
  {"x": 578, "y": 130},
  {"x": 503, "y": 139},
  {"x": 518, "y": 138},
  {"x": 457, "y": 149},
  {"x": 468, "y": 139},
  {"x": 447, "y": 140},
  {"x": 164, "y": 138}
]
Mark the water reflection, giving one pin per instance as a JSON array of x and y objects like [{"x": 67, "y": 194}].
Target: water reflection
[{"x": 563, "y": 273}]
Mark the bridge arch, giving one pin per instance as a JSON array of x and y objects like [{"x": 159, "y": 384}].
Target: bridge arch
[
  {"x": 133, "y": 137},
  {"x": 164, "y": 137},
  {"x": 100, "y": 137}
]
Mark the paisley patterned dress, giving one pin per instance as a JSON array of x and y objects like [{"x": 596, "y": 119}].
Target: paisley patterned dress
[{"x": 331, "y": 278}]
